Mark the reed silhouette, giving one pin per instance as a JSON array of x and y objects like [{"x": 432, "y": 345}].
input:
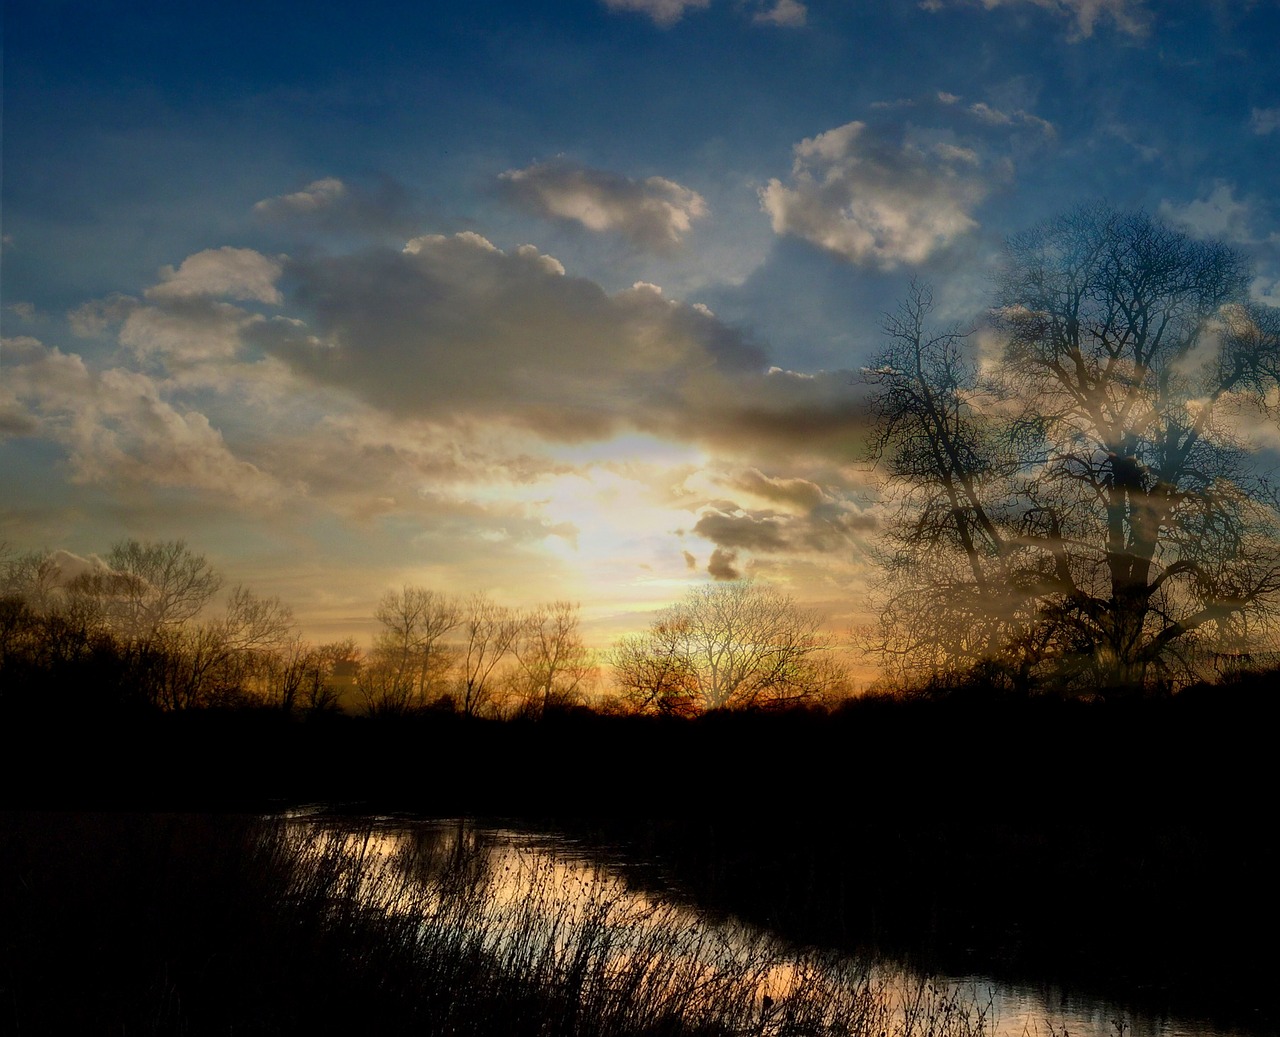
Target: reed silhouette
[{"x": 227, "y": 924}]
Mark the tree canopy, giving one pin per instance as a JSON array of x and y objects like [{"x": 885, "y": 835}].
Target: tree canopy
[
  {"x": 1082, "y": 503},
  {"x": 725, "y": 645}
]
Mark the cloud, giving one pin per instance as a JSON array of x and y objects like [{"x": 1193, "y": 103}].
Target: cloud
[
  {"x": 1264, "y": 120},
  {"x": 377, "y": 205},
  {"x": 1265, "y": 290},
  {"x": 455, "y": 329},
  {"x": 182, "y": 324},
  {"x": 401, "y": 383},
  {"x": 232, "y": 273},
  {"x": 1220, "y": 215},
  {"x": 900, "y": 189},
  {"x": 654, "y": 213},
  {"x": 1018, "y": 118},
  {"x": 802, "y": 493},
  {"x": 317, "y": 196},
  {"x": 821, "y": 517},
  {"x": 753, "y": 532},
  {"x": 71, "y": 565},
  {"x": 1128, "y": 16},
  {"x": 788, "y": 13},
  {"x": 876, "y": 197},
  {"x": 119, "y": 431},
  {"x": 831, "y": 527},
  {"x": 722, "y": 567},
  {"x": 663, "y": 13}
]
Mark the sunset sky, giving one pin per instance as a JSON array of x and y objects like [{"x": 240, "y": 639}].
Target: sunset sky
[{"x": 551, "y": 300}]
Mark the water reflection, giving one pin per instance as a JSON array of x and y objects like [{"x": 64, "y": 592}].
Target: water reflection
[{"x": 551, "y": 910}]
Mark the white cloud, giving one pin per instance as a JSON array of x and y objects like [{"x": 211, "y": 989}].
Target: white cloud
[
  {"x": 788, "y": 13},
  {"x": 119, "y": 431},
  {"x": 1129, "y": 16},
  {"x": 877, "y": 198},
  {"x": 1219, "y": 215},
  {"x": 187, "y": 332},
  {"x": 654, "y": 213},
  {"x": 316, "y": 196},
  {"x": 664, "y": 13},
  {"x": 233, "y": 273},
  {"x": 182, "y": 325},
  {"x": 377, "y": 205},
  {"x": 1264, "y": 120},
  {"x": 1265, "y": 290}
]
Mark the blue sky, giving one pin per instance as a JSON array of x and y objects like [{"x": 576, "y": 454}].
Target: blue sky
[{"x": 548, "y": 299}]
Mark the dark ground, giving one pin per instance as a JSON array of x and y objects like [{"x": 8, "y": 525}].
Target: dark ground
[{"x": 1124, "y": 848}]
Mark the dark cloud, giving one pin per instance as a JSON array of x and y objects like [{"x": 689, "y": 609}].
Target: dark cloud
[
  {"x": 722, "y": 565},
  {"x": 821, "y": 523},
  {"x": 800, "y": 492},
  {"x": 455, "y": 329},
  {"x": 782, "y": 412},
  {"x": 759, "y": 532}
]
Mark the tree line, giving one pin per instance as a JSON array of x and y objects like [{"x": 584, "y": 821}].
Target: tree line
[{"x": 143, "y": 627}]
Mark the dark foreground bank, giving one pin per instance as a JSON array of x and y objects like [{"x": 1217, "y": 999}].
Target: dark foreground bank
[
  {"x": 224, "y": 924},
  {"x": 1123, "y": 848}
]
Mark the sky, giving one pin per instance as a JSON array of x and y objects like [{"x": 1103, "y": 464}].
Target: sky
[{"x": 560, "y": 300}]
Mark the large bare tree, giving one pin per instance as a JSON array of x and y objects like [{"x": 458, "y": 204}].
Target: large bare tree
[{"x": 1084, "y": 505}]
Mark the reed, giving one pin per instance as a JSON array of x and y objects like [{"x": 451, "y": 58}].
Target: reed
[{"x": 216, "y": 924}]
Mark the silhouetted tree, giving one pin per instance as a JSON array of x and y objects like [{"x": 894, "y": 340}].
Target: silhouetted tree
[
  {"x": 33, "y": 577},
  {"x": 410, "y": 661},
  {"x": 489, "y": 631},
  {"x": 147, "y": 588},
  {"x": 733, "y": 644},
  {"x": 654, "y": 671},
  {"x": 1081, "y": 506},
  {"x": 554, "y": 663}
]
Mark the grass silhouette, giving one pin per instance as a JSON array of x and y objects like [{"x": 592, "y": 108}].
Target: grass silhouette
[{"x": 221, "y": 924}]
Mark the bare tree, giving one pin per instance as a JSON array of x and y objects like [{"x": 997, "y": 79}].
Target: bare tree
[
  {"x": 726, "y": 645},
  {"x": 150, "y": 587},
  {"x": 33, "y": 577},
  {"x": 940, "y": 437},
  {"x": 554, "y": 663},
  {"x": 489, "y": 631},
  {"x": 410, "y": 660},
  {"x": 231, "y": 658},
  {"x": 1087, "y": 510},
  {"x": 653, "y": 671}
]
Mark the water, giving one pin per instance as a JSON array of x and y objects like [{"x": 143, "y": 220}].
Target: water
[{"x": 538, "y": 897}]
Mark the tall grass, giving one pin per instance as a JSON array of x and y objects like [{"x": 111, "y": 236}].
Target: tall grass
[{"x": 171, "y": 924}]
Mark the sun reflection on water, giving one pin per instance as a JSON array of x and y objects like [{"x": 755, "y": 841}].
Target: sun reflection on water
[{"x": 539, "y": 902}]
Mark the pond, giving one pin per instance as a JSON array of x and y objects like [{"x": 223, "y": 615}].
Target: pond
[{"x": 548, "y": 906}]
